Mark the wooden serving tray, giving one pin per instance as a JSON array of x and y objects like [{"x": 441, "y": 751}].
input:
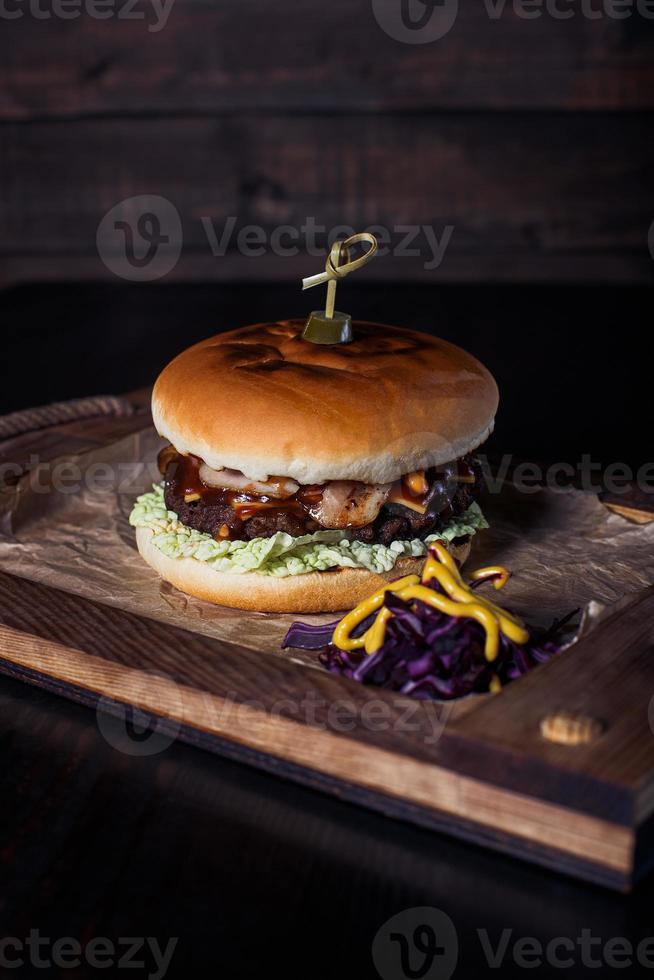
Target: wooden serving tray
[{"x": 485, "y": 774}]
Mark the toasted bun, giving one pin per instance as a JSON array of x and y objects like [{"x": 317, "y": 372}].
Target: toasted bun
[
  {"x": 311, "y": 593},
  {"x": 264, "y": 401}
]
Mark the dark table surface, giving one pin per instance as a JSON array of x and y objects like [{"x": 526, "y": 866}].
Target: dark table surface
[{"x": 247, "y": 872}]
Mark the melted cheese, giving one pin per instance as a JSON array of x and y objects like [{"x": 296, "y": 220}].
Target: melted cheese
[
  {"x": 416, "y": 483},
  {"x": 411, "y": 491}
]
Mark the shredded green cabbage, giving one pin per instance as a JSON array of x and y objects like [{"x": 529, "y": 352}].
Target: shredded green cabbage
[{"x": 281, "y": 554}]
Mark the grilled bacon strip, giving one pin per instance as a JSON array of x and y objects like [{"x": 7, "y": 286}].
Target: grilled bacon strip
[
  {"x": 235, "y": 506},
  {"x": 345, "y": 503},
  {"x": 277, "y": 486}
]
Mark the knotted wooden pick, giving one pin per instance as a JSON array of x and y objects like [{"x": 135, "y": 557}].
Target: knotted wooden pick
[{"x": 328, "y": 326}]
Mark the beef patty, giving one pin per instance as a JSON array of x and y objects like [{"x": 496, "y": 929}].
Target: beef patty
[{"x": 448, "y": 497}]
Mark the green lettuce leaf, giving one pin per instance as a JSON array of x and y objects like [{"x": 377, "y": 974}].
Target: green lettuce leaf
[{"x": 281, "y": 554}]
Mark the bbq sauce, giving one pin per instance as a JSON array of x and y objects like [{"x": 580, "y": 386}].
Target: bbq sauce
[
  {"x": 185, "y": 472},
  {"x": 414, "y": 490}
]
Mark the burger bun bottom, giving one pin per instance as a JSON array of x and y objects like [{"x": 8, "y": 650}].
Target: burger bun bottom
[{"x": 314, "y": 592}]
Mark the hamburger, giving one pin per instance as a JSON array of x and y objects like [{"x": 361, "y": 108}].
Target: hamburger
[{"x": 300, "y": 477}]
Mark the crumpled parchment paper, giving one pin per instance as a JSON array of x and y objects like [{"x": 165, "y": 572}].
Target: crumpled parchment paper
[{"x": 66, "y": 525}]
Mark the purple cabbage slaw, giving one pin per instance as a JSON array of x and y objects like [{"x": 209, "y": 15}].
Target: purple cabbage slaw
[{"x": 427, "y": 654}]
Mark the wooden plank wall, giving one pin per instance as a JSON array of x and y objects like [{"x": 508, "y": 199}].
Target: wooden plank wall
[{"x": 532, "y": 138}]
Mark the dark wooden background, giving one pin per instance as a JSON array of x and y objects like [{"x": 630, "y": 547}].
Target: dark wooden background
[{"x": 533, "y": 138}]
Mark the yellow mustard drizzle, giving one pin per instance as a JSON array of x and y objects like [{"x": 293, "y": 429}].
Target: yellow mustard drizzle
[
  {"x": 498, "y": 573},
  {"x": 342, "y": 638},
  {"x": 456, "y": 599}
]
